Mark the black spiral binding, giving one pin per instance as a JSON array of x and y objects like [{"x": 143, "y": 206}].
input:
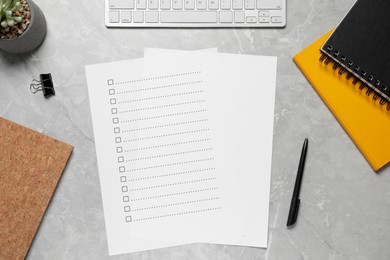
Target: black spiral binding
[{"x": 369, "y": 78}]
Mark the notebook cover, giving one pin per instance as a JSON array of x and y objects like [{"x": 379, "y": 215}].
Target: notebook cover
[
  {"x": 360, "y": 44},
  {"x": 363, "y": 118},
  {"x": 30, "y": 167}
]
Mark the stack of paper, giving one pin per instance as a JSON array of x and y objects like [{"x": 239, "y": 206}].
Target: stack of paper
[{"x": 184, "y": 146}]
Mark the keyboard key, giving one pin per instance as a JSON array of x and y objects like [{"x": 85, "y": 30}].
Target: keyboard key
[
  {"x": 153, "y": 4},
  {"x": 249, "y": 4},
  {"x": 264, "y": 19},
  {"x": 138, "y": 16},
  {"x": 226, "y": 16},
  {"x": 225, "y": 4},
  {"x": 165, "y": 4},
  {"x": 269, "y": 4},
  {"x": 151, "y": 16},
  {"x": 177, "y": 4},
  {"x": 201, "y": 4},
  {"x": 141, "y": 4},
  {"x": 263, "y": 13},
  {"x": 239, "y": 16},
  {"x": 276, "y": 19},
  {"x": 188, "y": 17},
  {"x": 251, "y": 19},
  {"x": 126, "y": 17},
  {"x": 213, "y": 4},
  {"x": 189, "y": 4},
  {"x": 121, "y": 4},
  {"x": 238, "y": 4},
  {"x": 113, "y": 16}
]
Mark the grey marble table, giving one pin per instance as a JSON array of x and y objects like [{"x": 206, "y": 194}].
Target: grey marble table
[{"x": 345, "y": 208}]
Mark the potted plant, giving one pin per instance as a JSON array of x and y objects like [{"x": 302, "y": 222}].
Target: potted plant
[{"x": 22, "y": 26}]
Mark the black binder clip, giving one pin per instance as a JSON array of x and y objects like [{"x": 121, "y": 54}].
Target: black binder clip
[{"x": 45, "y": 85}]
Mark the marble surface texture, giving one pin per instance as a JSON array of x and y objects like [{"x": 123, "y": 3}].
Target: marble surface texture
[{"x": 345, "y": 205}]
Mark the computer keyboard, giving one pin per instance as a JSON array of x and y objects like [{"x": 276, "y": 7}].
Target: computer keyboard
[{"x": 195, "y": 13}]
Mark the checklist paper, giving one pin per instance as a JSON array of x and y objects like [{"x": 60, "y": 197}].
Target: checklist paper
[{"x": 161, "y": 134}]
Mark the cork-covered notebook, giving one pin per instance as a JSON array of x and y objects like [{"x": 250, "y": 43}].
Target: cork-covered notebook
[{"x": 30, "y": 166}]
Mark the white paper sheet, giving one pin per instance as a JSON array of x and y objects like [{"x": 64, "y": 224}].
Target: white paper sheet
[
  {"x": 152, "y": 52},
  {"x": 253, "y": 139},
  {"x": 176, "y": 141},
  {"x": 156, "y": 155}
]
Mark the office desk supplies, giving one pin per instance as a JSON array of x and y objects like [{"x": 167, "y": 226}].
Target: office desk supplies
[
  {"x": 295, "y": 201},
  {"x": 360, "y": 45},
  {"x": 31, "y": 165},
  {"x": 364, "y": 119},
  {"x": 45, "y": 84},
  {"x": 348, "y": 211},
  {"x": 168, "y": 133},
  {"x": 199, "y": 13}
]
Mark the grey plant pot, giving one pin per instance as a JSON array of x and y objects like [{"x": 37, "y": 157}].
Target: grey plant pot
[{"x": 32, "y": 37}]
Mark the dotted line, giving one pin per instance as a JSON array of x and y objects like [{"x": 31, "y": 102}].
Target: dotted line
[
  {"x": 161, "y": 77},
  {"x": 170, "y": 164},
  {"x": 166, "y": 135},
  {"x": 167, "y": 145},
  {"x": 159, "y": 87},
  {"x": 176, "y": 204},
  {"x": 173, "y": 184},
  {"x": 165, "y": 96},
  {"x": 171, "y": 174},
  {"x": 155, "y": 107},
  {"x": 162, "y": 116},
  {"x": 160, "y": 126},
  {"x": 170, "y": 154},
  {"x": 178, "y": 214},
  {"x": 174, "y": 194}
]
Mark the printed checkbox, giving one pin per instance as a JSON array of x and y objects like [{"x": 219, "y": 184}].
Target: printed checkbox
[
  {"x": 113, "y": 101},
  {"x": 115, "y": 120},
  {"x": 124, "y": 189},
  {"x": 117, "y": 130},
  {"x": 126, "y": 199},
  {"x": 127, "y": 208},
  {"x": 121, "y": 159},
  {"x": 110, "y": 82},
  {"x": 128, "y": 219},
  {"x": 114, "y": 111},
  {"x": 122, "y": 169},
  {"x": 119, "y": 149},
  {"x": 118, "y": 140},
  {"x": 123, "y": 179},
  {"x": 111, "y": 91}
]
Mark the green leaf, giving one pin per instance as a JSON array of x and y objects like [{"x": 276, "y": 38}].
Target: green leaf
[
  {"x": 4, "y": 24},
  {"x": 17, "y": 19},
  {"x": 10, "y": 22}
]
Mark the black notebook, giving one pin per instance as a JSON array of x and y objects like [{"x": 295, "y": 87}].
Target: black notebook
[{"x": 360, "y": 46}]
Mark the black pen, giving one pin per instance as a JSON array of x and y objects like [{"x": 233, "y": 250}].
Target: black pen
[{"x": 294, "y": 207}]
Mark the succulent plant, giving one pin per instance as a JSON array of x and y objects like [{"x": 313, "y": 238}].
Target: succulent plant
[{"x": 9, "y": 15}]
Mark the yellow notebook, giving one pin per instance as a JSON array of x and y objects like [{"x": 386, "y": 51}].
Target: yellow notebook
[{"x": 365, "y": 120}]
